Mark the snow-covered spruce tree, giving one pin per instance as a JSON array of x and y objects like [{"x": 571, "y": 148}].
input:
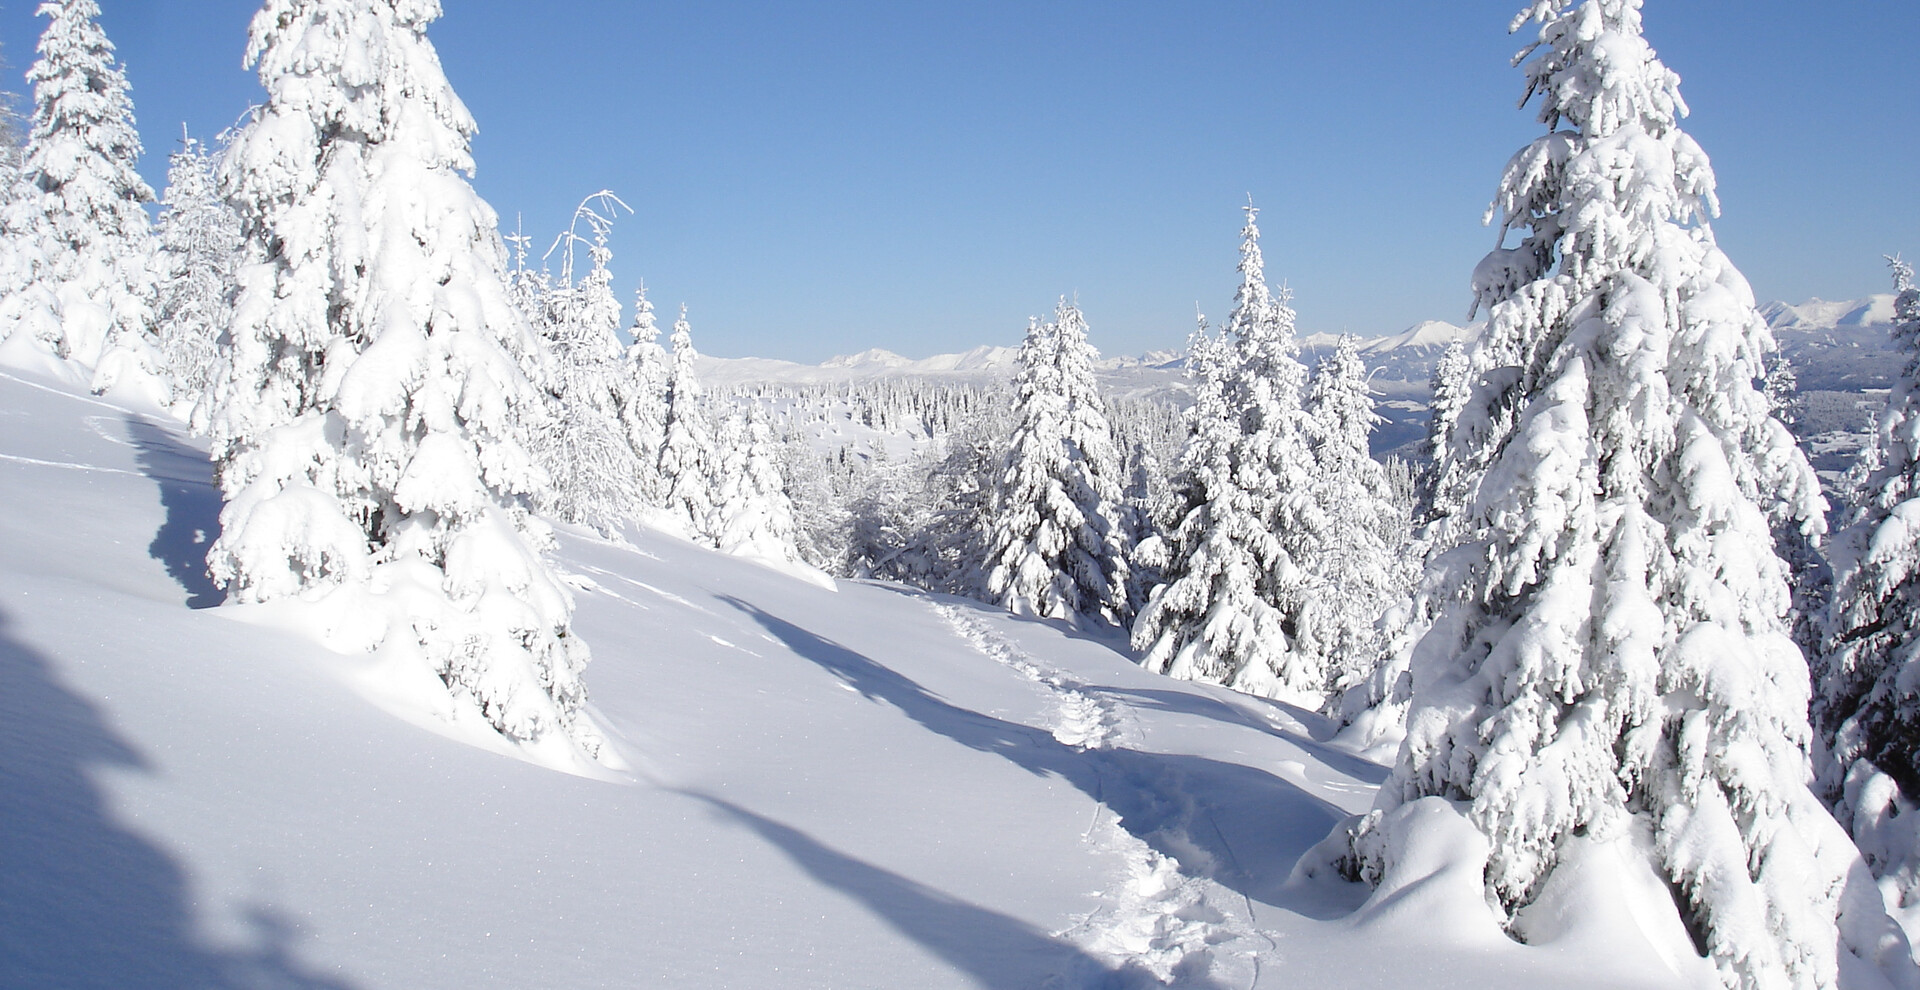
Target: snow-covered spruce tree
[
  {"x": 1057, "y": 549},
  {"x": 13, "y": 136},
  {"x": 1452, "y": 385},
  {"x": 196, "y": 270},
  {"x": 366, "y": 430},
  {"x": 1356, "y": 561},
  {"x": 1617, "y": 659},
  {"x": 1867, "y": 700},
  {"x": 752, "y": 516},
  {"x": 688, "y": 460},
  {"x": 1782, "y": 387},
  {"x": 591, "y": 468},
  {"x": 78, "y": 280},
  {"x": 1207, "y": 621},
  {"x": 1094, "y": 477},
  {"x": 640, "y": 398},
  {"x": 1228, "y": 609}
]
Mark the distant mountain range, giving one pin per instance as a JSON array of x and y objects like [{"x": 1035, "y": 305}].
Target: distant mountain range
[
  {"x": 1816, "y": 315},
  {"x": 984, "y": 362},
  {"x": 1838, "y": 347}
]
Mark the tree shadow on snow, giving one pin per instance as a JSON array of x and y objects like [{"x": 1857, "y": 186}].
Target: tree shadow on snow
[
  {"x": 993, "y": 948},
  {"x": 1313, "y": 740},
  {"x": 192, "y": 503},
  {"x": 84, "y": 901},
  {"x": 1241, "y": 827},
  {"x": 1187, "y": 703}
]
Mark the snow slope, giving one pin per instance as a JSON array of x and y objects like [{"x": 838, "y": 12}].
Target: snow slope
[{"x": 869, "y": 788}]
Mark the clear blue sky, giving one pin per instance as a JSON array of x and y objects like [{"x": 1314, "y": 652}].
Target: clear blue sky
[{"x": 815, "y": 178}]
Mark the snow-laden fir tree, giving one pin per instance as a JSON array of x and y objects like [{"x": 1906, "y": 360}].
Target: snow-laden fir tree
[
  {"x": 1058, "y": 545},
  {"x": 1095, "y": 478},
  {"x": 1228, "y": 610},
  {"x": 366, "y": 432},
  {"x": 77, "y": 278},
  {"x": 13, "y": 136},
  {"x": 640, "y": 398},
  {"x": 1207, "y": 620},
  {"x": 1452, "y": 385},
  {"x": 1867, "y": 699},
  {"x": 196, "y": 269},
  {"x": 1615, "y": 665},
  {"x": 752, "y": 516},
  {"x": 688, "y": 460},
  {"x": 1782, "y": 387},
  {"x": 593, "y": 476},
  {"x": 1355, "y": 557}
]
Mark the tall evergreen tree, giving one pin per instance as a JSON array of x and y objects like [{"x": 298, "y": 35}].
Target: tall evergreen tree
[
  {"x": 1033, "y": 515},
  {"x": 78, "y": 274},
  {"x": 1452, "y": 386},
  {"x": 1617, "y": 657},
  {"x": 1094, "y": 476},
  {"x": 1355, "y": 557},
  {"x": 1229, "y": 608},
  {"x": 197, "y": 269},
  {"x": 1207, "y": 620},
  {"x": 1867, "y": 699},
  {"x": 1058, "y": 547},
  {"x": 640, "y": 396},
  {"x": 13, "y": 136},
  {"x": 366, "y": 430},
  {"x": 688, "y": 461}
]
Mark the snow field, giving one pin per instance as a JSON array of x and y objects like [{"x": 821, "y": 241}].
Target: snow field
[{"x": 852, "y": 789}]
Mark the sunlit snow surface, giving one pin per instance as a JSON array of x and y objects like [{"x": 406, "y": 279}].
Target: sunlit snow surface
[{"x": 868, "y": 788}]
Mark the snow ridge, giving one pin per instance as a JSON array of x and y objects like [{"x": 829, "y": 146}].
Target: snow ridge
[{"x": 1163, "y": 921}]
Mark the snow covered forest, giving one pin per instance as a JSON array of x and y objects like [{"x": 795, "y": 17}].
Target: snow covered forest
[{"x": 390, "y": 598}]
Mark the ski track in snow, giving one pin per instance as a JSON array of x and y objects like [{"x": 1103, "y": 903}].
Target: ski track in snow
[
  {"x": 642, "y": 585},
  {"x": 67, "y": 465},
  {"x": 1163, "y": 916}
]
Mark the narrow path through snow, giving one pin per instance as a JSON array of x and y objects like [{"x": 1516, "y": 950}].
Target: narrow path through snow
[{"x": 1164, "y": 914}]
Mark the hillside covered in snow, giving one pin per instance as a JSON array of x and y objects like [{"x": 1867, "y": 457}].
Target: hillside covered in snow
[{"x": 868, "y": 787}]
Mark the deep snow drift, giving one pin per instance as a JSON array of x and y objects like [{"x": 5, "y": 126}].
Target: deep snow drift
[{"x": 863, "y": 788}]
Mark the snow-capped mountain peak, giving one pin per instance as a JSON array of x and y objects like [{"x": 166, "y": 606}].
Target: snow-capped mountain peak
[{"x": 1822, "y": 314}]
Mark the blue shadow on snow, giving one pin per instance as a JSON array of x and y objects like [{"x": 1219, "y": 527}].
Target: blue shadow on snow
[
  {"x": 995, "y": 949},
  {"x": 1252, "y": 826},
  {"x": 192, "y": 503},
  {"x": 85, "y": 902}
]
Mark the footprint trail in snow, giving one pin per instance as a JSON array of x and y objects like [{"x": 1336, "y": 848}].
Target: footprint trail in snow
[{"x": 1163, "y": 922}]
